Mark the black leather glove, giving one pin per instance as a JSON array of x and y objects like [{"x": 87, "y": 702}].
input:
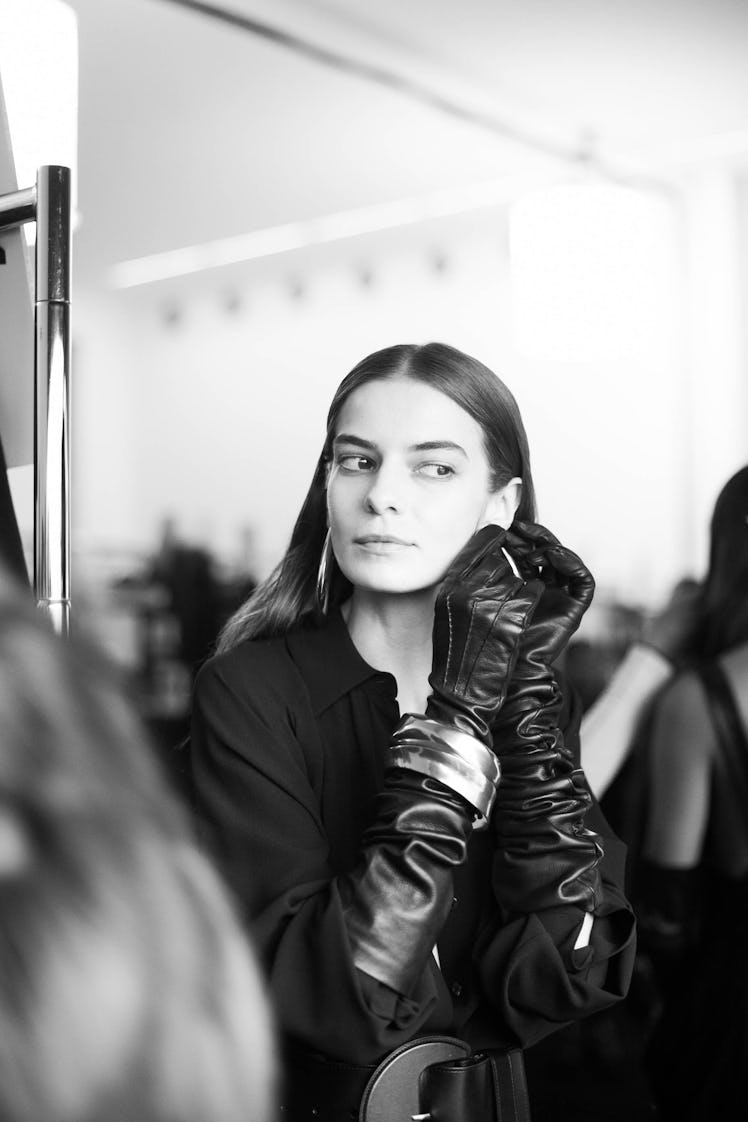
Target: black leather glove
[
  {"x": 441, "y": 771},
  {"x": 397, "y": 901},
  {"x": 480, "y": 613},
  {"x": 545, "y": 855},
  {"x": 568, "y": 587}
]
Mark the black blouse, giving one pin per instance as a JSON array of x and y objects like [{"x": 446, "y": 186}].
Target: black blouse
[{"x": 288, "y": 744}]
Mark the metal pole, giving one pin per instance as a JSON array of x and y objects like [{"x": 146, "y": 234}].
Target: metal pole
[
  {"x": 52, "y": 395},
  {"x": 17, "y": 207}
]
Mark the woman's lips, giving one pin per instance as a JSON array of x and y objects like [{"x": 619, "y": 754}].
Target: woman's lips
[{"x": 382, "y": 543}]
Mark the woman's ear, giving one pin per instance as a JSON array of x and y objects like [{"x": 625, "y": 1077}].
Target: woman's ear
[{"x": 502, "y": 504}]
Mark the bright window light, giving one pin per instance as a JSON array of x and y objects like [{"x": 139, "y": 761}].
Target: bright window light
[
  {"x": 39, "y": 78},
  {"x": 592, "y": 271}
]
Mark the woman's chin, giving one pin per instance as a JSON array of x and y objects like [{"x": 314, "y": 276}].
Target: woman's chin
[
  {"x": 394, "y": 587},
  {"x": 391, "y": 575}
]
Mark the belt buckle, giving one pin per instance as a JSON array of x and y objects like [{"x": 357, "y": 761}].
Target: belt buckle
[{"x": 391, "y": 1095}]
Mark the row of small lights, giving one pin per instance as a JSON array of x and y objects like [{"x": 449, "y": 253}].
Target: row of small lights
[{"x": 233, "y": 302}]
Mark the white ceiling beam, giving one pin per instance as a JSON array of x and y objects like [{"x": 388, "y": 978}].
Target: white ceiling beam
[{"x": 335, "y": 39}]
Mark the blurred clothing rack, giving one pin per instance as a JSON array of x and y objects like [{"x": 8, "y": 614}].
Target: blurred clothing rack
[{"x": 48, "y": 203}]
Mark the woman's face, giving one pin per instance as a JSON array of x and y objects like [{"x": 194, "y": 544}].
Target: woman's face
[{"x": 408, "y": 486}]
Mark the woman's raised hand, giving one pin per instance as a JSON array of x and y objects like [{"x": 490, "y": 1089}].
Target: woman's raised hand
[
  {"x": 546, "y": 856},
  {"x": 568, "y": 585},
  {"x": 481, "y": 611}
]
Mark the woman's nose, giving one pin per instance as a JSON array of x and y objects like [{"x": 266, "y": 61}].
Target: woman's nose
[{"x": 385, "y": 492}]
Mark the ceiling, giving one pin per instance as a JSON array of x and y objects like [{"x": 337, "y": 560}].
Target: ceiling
[{"x": 192, "y": 128}]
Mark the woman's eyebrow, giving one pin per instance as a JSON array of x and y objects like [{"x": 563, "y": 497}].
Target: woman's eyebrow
[
  {"x": 350, "y": 438},
  {"x": 423, "y": 446},
  {"x": 435, "y": 445}
]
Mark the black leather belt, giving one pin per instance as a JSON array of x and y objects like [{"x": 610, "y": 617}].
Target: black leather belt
[
  {"x": 317, "y": 1089},
  {"x": 427, "y": 1078}
]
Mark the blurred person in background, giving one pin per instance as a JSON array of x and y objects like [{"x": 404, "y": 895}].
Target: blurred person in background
[
  {"x": 385, "y": 760},
  {"x": 624, "y": 674},
  {"x": 692, "y": 882},
  {"x": 176, "y": 599},
  {"x": 187, "y": 573},
  {"x": 240, "y": 577},
  {"x": 613, "y": 721},
  {"x": 127, "y": 988}
]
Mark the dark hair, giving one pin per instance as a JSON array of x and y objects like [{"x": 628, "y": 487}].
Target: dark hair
[
  {"x": 127, "y": 985},
  {"x": 724, "y": 601},
  {"x": 278, "y": 604}
]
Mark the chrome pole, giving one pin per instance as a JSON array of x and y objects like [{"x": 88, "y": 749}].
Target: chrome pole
[
  {"x": 52, "y": 395},
  {"x": 17, "y": 207}
]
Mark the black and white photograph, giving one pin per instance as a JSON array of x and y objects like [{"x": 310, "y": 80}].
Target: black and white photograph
[{"x": 373, "y": 560}]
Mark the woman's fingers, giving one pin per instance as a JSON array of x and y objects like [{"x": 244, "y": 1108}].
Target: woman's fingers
[
  {"x": 484, "y": 546},
  {"x": 534, "y": 533},
  {"x": 538, "y": 551}
]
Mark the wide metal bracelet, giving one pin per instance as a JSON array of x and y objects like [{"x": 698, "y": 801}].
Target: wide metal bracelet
[
  {"x": 464, "y": 771},
  {"x": 414, "y": 728},
  {"x": 452, "y": 771}
]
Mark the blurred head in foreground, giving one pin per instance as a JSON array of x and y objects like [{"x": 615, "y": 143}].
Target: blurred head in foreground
[{"x": 127, "y": 989}]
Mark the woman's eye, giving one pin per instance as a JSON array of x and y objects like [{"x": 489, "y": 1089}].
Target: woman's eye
[
  {"x": 436, "y": 471},
  {"x": 354, "y": 462}
]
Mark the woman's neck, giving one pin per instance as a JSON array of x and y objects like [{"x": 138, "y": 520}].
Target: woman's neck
[{"x": 394, "y": 634}]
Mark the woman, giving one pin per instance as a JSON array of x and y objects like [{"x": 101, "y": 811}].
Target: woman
[
  {"x": 693, "y": 889},
  {"x": 127, "y": 990},
  {"x": 383, "y": 759}
]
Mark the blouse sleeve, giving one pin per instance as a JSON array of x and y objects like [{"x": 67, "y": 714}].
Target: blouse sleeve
[
  {"x": 529, "y": 967},
  {"x": 253, "y": 763}
]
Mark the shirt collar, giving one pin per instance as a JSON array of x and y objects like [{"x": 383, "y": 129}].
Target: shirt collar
[{"x": 330, "y": 664}]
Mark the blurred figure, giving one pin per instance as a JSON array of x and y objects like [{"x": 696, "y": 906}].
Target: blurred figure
[
  {"x": 615, "y": 729},
  {"x": 239, "y": 578},
  {"x": 617, "y": 716},
  {"x": 625, "y": 676},
  {"x": 181, "y": 611},
  {"x": 128, "y": 991},
  {"x": 693, "y": 881},
  {"x": 187, "y": 574}
]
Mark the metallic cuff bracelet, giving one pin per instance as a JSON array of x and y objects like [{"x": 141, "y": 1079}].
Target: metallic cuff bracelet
[
  {"x": 457, "y": 760},
  {"x": 422, "y": 730}
]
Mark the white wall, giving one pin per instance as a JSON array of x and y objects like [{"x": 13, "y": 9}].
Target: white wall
[{"x": 184, "y": 406}]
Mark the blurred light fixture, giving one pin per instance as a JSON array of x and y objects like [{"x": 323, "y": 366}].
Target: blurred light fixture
[
  {"x": 316, "y": 231},
  {"x": 592, "y": 270},
  {"x": 39, "y": 76}
]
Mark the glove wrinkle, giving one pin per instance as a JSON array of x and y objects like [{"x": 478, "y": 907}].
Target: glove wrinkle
[
  {"x": 545, "y": 855},
  {"x": 398, "y": 899}
]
